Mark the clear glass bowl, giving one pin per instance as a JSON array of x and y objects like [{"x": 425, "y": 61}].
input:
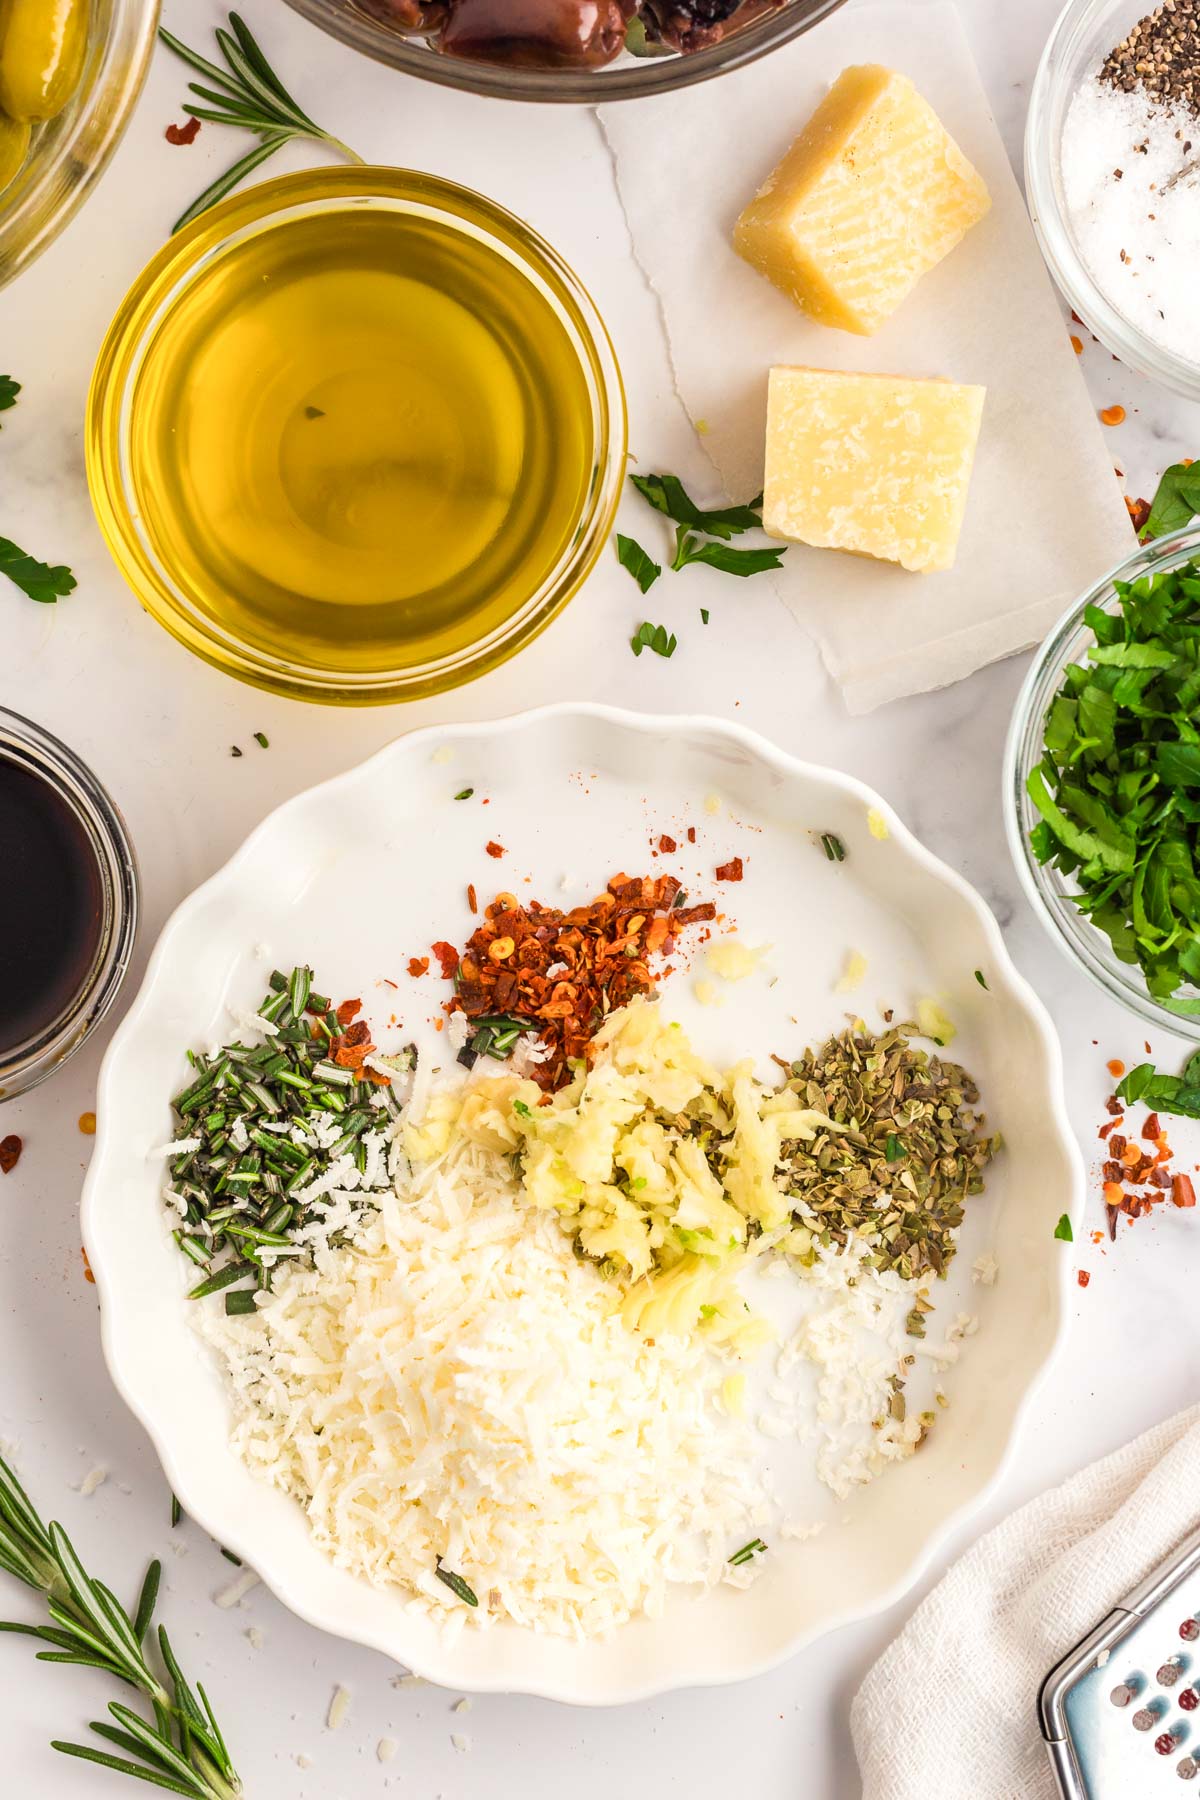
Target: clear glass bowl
[
  {"x": 626, "y": 79},
  {"x": 219, "y": 233},
  {"x": 1051, "y": 893},
  {"x": 71, "y": 152},
  {"x": 1085, "y": 33},
  {"x": 30, "y": 748}
]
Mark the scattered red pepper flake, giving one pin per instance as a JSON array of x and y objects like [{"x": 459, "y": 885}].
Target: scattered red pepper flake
[
  {"x": 1152, "y": 1129},
  {"x": 418, "y": 965},
  {"x": 388, "y": 983},
  {"x": 494, "y": 849},
  {"x": 1182, "y": 1191},
  {"x": 472, "y": 898},
  {"x": 1083, "y": 1278},
  {"x": 1139, "y": 512},
  {"x": 565, "y": 971},
  {"x": 1112, "y": 415},
  {"x": 667, "y": 845},
  {"x": 87, "y": 1124},
  {"x": 349, "y": 1009},
  {"x": 182, "y": 134},
  {"x": 1116, "y": 1068},
  {"x": 731, "y": 870},
  {"x": 87, "y": 1267},
  {"x": 447, "y": 957},
  {"x": 691, "y": 834},
  {"x": 10, "y": 1153},
  {"x": 1077, "y": 344}
]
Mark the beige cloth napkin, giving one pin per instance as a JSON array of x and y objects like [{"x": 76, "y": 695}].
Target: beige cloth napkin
[
  {"x": 964, "y": 1673},
  {"x": 1045, "y": 515}
]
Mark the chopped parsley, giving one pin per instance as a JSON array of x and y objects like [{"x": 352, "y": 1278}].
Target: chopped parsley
[
  {"x": 41, "y": 581},
  {"x": 1063, "y": 1232},
  {"x": 631, "y": 556},
  {"x": 653, "y": 637}
]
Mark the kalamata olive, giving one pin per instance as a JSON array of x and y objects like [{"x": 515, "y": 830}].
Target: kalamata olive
[
  {"x": 417, "y": 16},
  {"x": 14, "y": 146},
  {"x": 538, "y": 34},
  {"x": 694, "y": 24},
  {"x": 43, "y": 46}
]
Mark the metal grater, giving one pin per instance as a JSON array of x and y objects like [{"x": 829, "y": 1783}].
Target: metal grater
[{"x": 1121, "y": 1713}]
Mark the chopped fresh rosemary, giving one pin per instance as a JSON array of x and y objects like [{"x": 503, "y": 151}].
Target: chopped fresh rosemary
[
  {"x": 747, "y": 1552},
  {"x": 247, "y": 94},
  {"x": 457, "y": 1585},
  {"x": 234, "y": 751},
  {"x": 273, "y": 1122},
  {"x": 908, "y": 1151},
  {"x": 261, "y": 739},
  {"x": 464, "y": 793},
  {"x": 183, "y": 1749},
  {"x": 495, "y": 1037},
  {"x": 833, "y": 847},
  {"x": 176, "y": 1512},
  {"x": 979, "y": 978}
]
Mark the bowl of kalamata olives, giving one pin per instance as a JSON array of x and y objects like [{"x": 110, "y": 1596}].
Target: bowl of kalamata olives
[{"x": 573, "y": 50}]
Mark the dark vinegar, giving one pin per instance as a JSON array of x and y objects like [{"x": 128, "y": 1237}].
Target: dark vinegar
[{"x": 51, "y": 905}]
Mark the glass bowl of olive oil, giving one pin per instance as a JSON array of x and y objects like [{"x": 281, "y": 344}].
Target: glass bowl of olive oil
[{"x": 356, "y": 435}]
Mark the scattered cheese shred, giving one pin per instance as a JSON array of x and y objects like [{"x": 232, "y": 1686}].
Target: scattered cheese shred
[
  {"x": 854, "y": 973},
  {"x": 339, "y": 1706},
  {"x": 733, "y": 961}
]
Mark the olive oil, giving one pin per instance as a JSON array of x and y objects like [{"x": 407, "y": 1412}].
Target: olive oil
[{"x": 360, "y": 438}]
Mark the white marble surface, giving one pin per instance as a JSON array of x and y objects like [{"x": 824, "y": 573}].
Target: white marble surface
[{"x": 157, "y": 726}]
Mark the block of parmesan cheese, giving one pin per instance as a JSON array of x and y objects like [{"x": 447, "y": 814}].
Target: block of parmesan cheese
[
  {"x": 876, "y": 464},
  {"x": 872, "y": 194}
]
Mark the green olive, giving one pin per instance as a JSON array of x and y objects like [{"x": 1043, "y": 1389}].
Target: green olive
[
  {"x": 43, "y": 45},
  {"x": 14, "y": 145}
]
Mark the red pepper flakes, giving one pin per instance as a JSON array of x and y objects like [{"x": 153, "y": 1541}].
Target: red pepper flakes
[
  {"x": 667, "y": 845},
  {"x": 10, "y": 1153},
  {"x": 494, "y": 849},
  {"x": 1116, "y": 1068},
  {"x": 599, "y": 955},
  {"x": 447, "y": 957},
  {"x": 1127, "y": 1165},
  {"x": 691, "y": 834},
  {"x": 472, "y": 898},
  {"x": 1083, "y": 1278},
  {"x": 1182, "y": 1191},
  {"x": 87, "y": 1267},
  {"x": 730, "y": 871},
  {"x": 1139, "y": 512},
  {"x": 418, "y": 965},
  {"x": 1152, "y": 1130},
  {"x": 349, "y": 1009},
  {"x": 182, "y": 134}
]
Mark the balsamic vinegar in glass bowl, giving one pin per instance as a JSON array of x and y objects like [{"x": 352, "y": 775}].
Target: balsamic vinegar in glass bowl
[
  {"x": 68, "y": 903},
  {"x": 51, "y": 906}
]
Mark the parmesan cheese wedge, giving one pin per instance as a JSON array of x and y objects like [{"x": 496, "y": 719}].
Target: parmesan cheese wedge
[
  {"x": 875, "y": 464},
  {"x": 870, "y": 196}
]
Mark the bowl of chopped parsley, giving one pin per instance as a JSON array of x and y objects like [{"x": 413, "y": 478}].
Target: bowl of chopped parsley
[{"x": 1102, "y": 783}]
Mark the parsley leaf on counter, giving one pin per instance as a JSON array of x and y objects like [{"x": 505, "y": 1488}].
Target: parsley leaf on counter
[
  {"x": 1063, "y": 1232},
  {"x": 631, "y": 556},
  {"x": 1118, "y": 787},
  {"x": 667, "y": 494},
  {"x": 723, "y": 557},
  {"x": 653, "y": 637},
  {"x": 37, "y": 579},
  {"x": 1179, "y": 1094},
  {"x": 9, "y": 389},
  {"x": 1176, "y": 502}
]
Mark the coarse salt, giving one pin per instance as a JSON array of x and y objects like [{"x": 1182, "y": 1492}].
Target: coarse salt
[{"x": 1131, "y": 180}]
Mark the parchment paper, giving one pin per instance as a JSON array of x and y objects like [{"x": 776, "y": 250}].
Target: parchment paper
[{"x": 1045, "y": 515}]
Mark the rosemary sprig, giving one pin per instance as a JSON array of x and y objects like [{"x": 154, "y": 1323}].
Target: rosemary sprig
[
  {"x": 247, "y": 94},
  {"x": 183, "y": 1750}
]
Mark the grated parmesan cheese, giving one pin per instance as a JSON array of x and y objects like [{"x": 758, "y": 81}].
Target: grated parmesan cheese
[
  {"x": 454, "y": 1383},
  {"x": 339, "y": 1706}
]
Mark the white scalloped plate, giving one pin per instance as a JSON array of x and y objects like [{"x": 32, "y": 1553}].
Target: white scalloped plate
[{"x": 363, "y": 872}]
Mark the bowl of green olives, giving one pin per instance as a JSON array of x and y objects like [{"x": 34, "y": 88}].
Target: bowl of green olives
[{"x": 70, "y": 72}]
